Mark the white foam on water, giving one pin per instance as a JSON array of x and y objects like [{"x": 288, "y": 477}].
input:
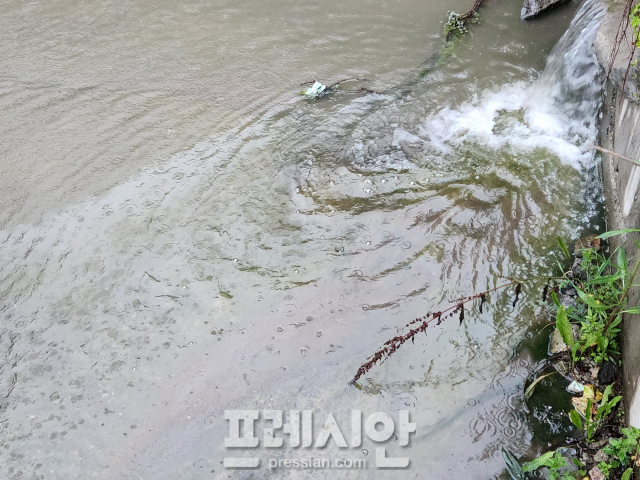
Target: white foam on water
[{"x": 558, "y": 111}]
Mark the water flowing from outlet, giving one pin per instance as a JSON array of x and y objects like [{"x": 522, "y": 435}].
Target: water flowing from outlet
[{"x": 143, "y": 292}]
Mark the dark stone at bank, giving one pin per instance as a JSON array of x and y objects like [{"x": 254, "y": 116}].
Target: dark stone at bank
[
  {"x": 608, "y": 373},
  {"x": 531, "y": 8}
]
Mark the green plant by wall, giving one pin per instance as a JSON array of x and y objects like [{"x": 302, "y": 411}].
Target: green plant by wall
[
  {"x": 601, "y": 283},
  {"x": 634, "y": 17},
  {"x": 593, "y": 423},
  {"x": 558, "y": 466},
  {"x": 626, "y": 449}
]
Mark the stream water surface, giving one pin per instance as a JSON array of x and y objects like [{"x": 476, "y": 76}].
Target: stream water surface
[{"x": 182, "y": 234}]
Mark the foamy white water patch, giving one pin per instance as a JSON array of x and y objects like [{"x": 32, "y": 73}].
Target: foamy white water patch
[
  {"x": 557, "y": 112},
  {"x": 507, "y": 119}
]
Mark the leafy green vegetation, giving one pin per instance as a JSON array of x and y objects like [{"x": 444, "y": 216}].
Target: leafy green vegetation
[
  {"x": 601, "y": 284},
  {"x": 592, "y": 424},
  {"x": 590, "y": 300},
  {"x": 634, "y": 17},
  {"x": 625, "y": 452},
  {"x": 457, "y": 24},
  {"x": 558, "y": 466},
  {"x": 625, "y": 449}
]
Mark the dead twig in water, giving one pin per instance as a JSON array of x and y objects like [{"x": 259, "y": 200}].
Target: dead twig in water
[
  {"x": 467, "y": 16},
  {"x": 391, "y": 346},
  {"x": 457, "y": 24},
  {"x": 337, "y": 83},
  {"x": 152, "y": 277},
  {"x": 614, "y": 154},
  {"x": 621, "y": 36},
  {"x": 318, "y": 90}
]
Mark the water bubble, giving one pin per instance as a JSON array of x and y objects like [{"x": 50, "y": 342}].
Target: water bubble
[
  {"x": 412, "y": 182},
  {"x": 365, "y": 452},
  {"x": 296, "y": 271},
  {"x": 321, "y": 236},
  {"x": 297, "y": 189},
  {"x": 426, "y": 179},
  {"x": 279, "y": 329},
  {"x": 366, "y": 190},
  {"x": 368, "y": 243},
  {"x": 319, "y": 333},
  {"x": 351, "y": 236},
  {"x": 303, "y": 351},
  {"x": 384, "y": 180},
  {"x": 406, "y": 245},
  {"x": 235, "y": 260}
]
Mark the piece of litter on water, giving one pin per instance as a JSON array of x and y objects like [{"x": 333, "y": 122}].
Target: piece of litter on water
[
  {"x": 317, "y": 90},
  {"x": 575, "y": 387}
]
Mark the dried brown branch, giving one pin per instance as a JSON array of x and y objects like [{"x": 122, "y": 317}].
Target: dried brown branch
[
  {"x": 621, "y": 36},
  {"x": 347, "y": 80},
  {"x": 614, "y": 154},
  {"x": 311, "y": 82},
  {"x": 391, "y": 346},
  {"x": 467, "y": 16}
]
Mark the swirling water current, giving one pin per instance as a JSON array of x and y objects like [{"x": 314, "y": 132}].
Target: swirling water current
[{"x": 181, "y": 233}]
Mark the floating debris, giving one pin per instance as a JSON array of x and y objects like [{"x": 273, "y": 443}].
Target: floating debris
[
  {"x": 591, "y": 392},
  {"x": 457, "y": 23},
  {"x": 514, "y": 468},
  {"x": 319, "y": 90},
  {"x": 575, "y": 387}
]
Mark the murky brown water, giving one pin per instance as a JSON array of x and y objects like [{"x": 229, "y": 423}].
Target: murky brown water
[{"x": 182, "y": 234}]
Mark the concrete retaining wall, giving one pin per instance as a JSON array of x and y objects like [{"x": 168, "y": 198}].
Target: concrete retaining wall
[{"x": 620, "y": 133}]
